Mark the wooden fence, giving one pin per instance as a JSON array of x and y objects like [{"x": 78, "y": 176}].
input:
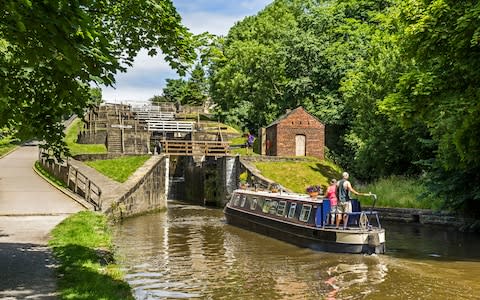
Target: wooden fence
[
  {"x": 196, "y": 148},
  {"x": 73, "y": 178}
]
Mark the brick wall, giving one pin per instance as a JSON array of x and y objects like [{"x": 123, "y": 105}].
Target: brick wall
[{"x": 299, "y": 122}]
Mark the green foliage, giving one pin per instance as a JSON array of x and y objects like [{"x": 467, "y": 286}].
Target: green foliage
[
  {"x": 156, "y": 99},
  {"x": 193, "y": 91},
  {"x": 243, "y": 177},
  {"x": 51, "y": 51},
  {"x": 8, "y": 141},
  {"x": 119, "y": 169},
  {"x": 400, "y": 192},
  {"x": 82, "y": 244},
  {"x": 440, "y": 91}
]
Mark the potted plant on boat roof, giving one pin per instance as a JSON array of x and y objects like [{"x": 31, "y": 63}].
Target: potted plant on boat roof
[
  {"x": 243, "y": 180},
  {"x": 314, "y": 190}
]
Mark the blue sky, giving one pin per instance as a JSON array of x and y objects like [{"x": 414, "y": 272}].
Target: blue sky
[{"x": 147, "y": 76}]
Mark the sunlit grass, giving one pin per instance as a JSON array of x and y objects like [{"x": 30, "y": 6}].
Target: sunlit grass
[
  {"x": 399, "y": 191},
  {"x": 7, "y": 144},
  {"x": 298, "y": 175},
  {"x": 5, "y": 148},
  {"x": 119, "y": 169},
  {"x": 71, "y": 139},
  {"x": 83, "y": 247}
]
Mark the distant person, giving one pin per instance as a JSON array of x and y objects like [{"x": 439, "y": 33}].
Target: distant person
[
  {"x": 344, "y": 205},
  {"x": 158, "y": 148},
  {"x": 250, "y": 140},
  {"x": 331, "y": 194}
]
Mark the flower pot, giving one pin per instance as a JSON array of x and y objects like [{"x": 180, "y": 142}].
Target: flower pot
[{"x": 313, "y": 194}]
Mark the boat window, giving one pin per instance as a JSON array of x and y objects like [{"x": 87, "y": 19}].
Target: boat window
[
  {"x": 281, "y": 208},
  {"x": 244, "y": 200},
  {"x": 291, "y": 211},
  {"x": 273, "y": 207},
  {"x": 253, "y": 204},
  {"x": 266, "y": 205},
  {"x": 236, "y": 200},
  {"x": 305, "y": 213}
]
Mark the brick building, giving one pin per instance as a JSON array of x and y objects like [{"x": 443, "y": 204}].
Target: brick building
[{"x": 296, "y": 133}]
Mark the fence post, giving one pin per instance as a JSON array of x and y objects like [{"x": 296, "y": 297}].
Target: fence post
[
  {"x": 76, "y": 180},
  {"x": 87, "y": 191}
]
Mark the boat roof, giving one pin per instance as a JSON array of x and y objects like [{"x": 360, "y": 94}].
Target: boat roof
[{"x": 281, "y": 195}]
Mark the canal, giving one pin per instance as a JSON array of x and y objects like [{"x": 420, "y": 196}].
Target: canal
[{"x": 189, "y": 252}]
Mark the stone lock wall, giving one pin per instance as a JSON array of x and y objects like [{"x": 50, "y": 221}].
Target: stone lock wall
[{"x": 148, "y": 193}]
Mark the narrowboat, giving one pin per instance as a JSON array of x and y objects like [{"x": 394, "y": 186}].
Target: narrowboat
[{"x": 305, "y": 221}]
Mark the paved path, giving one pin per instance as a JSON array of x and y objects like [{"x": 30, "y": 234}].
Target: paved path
[{"x": 29, "y": 209}]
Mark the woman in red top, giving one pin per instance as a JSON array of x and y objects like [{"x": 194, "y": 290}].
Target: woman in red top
[{"x": 331, "y": 194}]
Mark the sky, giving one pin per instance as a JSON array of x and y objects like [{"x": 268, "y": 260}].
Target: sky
[{"x": 147, "y": 76}]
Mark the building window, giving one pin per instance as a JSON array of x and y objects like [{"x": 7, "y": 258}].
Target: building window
[
  {"x": 281, "y": 208},
  {"x": 291, "y": 211},
  {"x": 305, "y": 213}
]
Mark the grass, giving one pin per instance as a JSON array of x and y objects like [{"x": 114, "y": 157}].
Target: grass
[
  {"x": 300, "y": 173},
  {"x": 71, "y": 139},
  {"x": 399, "y": 192},
  {"x": 119, "y": 169},
  {"x": 7, "y": 143},
  {"x": 83, "y": 247},
  {"x": 49, "y": 176},
  {"x": 6, "y": 147}
]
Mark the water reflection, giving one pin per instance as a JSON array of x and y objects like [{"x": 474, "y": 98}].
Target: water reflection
[{"x": 190, "y": 253}]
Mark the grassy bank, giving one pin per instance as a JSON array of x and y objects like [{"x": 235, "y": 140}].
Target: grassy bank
[
  {"x": 119, "y": 169},
  {"x": 71, "y": 136},
  {"x": 7, "y": 143},
  {"x": 398, "y": 192},
  {"x": 82, "y": 244},
  {"x": 297, "y": 175},
  {"x": 6, "y": 147}
]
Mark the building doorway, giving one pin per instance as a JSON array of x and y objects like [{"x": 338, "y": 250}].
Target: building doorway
[{"x": 300, "y": 143}]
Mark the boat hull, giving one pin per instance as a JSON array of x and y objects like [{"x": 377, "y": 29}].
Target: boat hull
[{"x": 320, "y": 239}]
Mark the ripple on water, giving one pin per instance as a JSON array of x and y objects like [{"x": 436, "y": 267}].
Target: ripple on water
[{"x": 189, "y": 253}]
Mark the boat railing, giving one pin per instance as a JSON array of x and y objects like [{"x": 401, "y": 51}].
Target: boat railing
[{"x": 361, "y": 218}]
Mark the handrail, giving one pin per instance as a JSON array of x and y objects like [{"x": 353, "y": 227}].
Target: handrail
[{"x": 78, "y": 182}]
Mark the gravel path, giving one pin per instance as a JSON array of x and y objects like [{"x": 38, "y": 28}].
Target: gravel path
[{"x": 29, "y": 209}]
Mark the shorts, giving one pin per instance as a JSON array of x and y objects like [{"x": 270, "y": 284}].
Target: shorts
[
  {"x": 333, "y": 209},
  {"x": 344, "y": 207}
]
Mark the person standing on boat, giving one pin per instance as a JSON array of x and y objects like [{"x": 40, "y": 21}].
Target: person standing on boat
[
  {"x": 344, "y": 206},
  {"x": 331, "y": 194}
]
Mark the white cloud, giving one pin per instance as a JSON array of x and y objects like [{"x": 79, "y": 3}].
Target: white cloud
[
  {"x": 212, "y": 22},
  {"x": 128, "y": 94},
  {"x": 147, "y": 76}
]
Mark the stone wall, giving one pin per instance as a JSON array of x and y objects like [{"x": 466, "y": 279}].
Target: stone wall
[
  {"x": 147, "y": 192},
  {"x": 209, "y": 182},
  {"x": 98, "y": 137}
]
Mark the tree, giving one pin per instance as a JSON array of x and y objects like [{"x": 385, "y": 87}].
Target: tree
[
  {"x": 52, "y": 50},
  {"x": 441, "y": 91}
]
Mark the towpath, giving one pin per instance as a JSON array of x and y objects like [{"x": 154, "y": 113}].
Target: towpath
[{"x": 29, "y": 209}]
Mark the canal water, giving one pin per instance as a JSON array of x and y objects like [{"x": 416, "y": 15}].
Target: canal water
[{"x": 189, "y": 252}]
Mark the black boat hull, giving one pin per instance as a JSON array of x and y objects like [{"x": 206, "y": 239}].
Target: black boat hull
[{"x": 319, "y": 239}]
